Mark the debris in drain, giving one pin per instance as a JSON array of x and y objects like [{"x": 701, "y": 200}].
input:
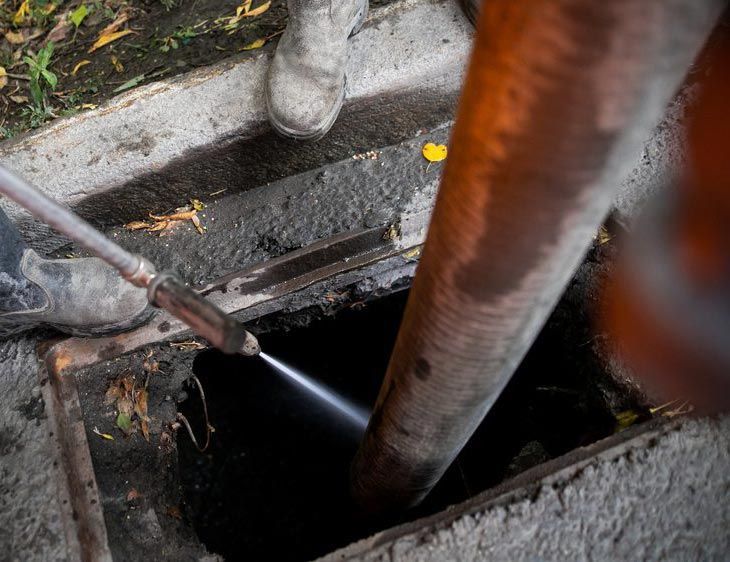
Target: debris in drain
[
  {"x": 164, "y": 222},
  {"x": 130, "y": 402}
]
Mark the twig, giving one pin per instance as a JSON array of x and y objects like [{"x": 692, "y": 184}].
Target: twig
[{"x": 208, "y": 428}]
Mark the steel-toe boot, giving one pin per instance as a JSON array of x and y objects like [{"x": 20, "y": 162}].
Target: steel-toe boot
[
  {"x": 306, "y": 82},
  {"x": 83, "y": 297}
]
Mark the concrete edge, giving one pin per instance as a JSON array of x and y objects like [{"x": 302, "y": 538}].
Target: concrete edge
[{"x": 528, "y": 484}]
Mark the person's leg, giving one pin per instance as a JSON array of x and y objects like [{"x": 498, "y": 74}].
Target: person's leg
[
  {"x": 79, "y": 296},
  {"x": 16, "y": 292},
  {"x": 306, "y": 82}
]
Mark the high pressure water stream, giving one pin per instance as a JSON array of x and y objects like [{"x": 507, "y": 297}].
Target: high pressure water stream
[{"x": 354, "y": 414}]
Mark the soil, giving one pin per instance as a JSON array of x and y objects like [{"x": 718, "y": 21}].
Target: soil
[{"x": 166, "y": 42}]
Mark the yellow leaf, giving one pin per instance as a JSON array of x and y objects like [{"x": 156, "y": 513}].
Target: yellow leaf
[
  {"x": 258, "y": 11},
  {"x": 197, "y": 204},
  {"x": 243, "y": 8},
  {"x": 22, "y": 13},
  {"x": 79, "y": 65},
  {"x": 109, "y": 38},
  {"x": 104, "y": 436},
  {"x": 434, "y": 152},
  {"x": 3, "y": 78},
  {"x": 118, "y": 66},
  {"x": 88, "y": 106},
  {"x": 254, "y": 45},
  {"x": 14, "y": 38}
]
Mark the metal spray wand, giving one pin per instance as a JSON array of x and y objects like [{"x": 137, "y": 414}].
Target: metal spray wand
[{"x": 164, "y": 290}]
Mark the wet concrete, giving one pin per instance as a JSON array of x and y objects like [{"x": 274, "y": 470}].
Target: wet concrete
[{"x": 247, "y": 228}]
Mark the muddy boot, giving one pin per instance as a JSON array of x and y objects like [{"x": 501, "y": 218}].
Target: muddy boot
[
  {"x": 471, "y": 9},
  {"x": 306, "y": 82},
  {"x": 80, "y": 296}
]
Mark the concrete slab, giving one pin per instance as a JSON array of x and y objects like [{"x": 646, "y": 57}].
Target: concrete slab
[
  {"x": 31, "y": 526},
  {"x": 662, "y": 495}
]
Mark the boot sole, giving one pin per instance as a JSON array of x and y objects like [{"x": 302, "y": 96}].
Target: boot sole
[
  {"x": 11, "y": 330},
  {"x": 357, "y": 23}
]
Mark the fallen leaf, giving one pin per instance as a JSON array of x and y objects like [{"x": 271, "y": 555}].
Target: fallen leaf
[
  {"x": 88, "y": 106},
  {"x": 15, "y": 38},
  {"x": 197, "y": 204},
  {"x": 138, "y": 225},
  {"x": 258, "y": 11},
  {"x": 434, "y": 152},
  {"x": 244, "y": 8},
  {"x": 130, "y": 83},
  {"x": 19, "y": 99},
  {"x": 78, "y": 15},
  {"x": 159, "y": 226},
  {"x": 257, "y": 44},
  {"x": 3, "y": 78},
  {"x": 105, "y": 436},
  {"x": 196, "y": 223},
  {"x": 412, "y": 254},
  {"x": 124, "y": 422},
  {"x": 122, "y": 18},
  {"x": 118, "y": 66},
  {"x": 625, "y": 419},
  {"x": 59, "y": 31},
  {"x": 79, "y": 65},
  {"x": 22, "y": 13},
  {"x": 109, "y": 38},
  {"x": 177, "y": 216},
  {"x": 603, "y": 236}
]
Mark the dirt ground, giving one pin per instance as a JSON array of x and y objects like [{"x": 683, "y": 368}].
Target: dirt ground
[{"x": 151, "y": 40}]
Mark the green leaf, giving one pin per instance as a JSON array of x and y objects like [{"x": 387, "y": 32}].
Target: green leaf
[
  {"x": 78, "y": 15},
  {"x": 50, "y": 78},
  {"x": 45, "y": 54},
  {"x": 130, "y": 83},
  {"x": 36, "y": 92},
  {"x": 124, "y": 422}
]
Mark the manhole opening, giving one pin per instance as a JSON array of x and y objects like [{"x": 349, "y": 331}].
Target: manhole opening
[{"x": 274, "y": 483}]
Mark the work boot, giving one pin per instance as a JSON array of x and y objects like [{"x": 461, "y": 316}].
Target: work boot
[
  {"x": 471, "y": 9},
  {"x": 306, "y": 82},
  {"x": 82, "y": 297}
]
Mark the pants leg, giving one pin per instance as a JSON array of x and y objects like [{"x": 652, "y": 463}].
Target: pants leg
[{"x": 16, "y": 292}]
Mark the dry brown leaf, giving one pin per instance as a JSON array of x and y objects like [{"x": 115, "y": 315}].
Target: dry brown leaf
[
  {"x": 159, "y": 226},
  {"x": 60, "y": 30},
  {"x": 177, "y": 216},
  {"x": 15, "y": 37},
  {"x": 138, "y": 225},
  {"x": 19, "y": 99},
  {"x": 109, "y": 38},
  {"x": 3, "y": 78},
  {"x": 198, "y": 226},
  {"x": 123, "y": 17}
]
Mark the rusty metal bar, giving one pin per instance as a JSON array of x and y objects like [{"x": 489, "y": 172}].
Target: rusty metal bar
[{"x": 557, "y": 99}]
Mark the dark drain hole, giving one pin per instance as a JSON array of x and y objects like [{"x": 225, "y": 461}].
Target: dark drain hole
[{"x": 274, "y": 483}]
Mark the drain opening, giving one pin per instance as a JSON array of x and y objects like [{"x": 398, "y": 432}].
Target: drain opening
[{"x": 274, "y": 483}]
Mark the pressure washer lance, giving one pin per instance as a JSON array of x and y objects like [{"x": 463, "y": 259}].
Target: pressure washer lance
[{"x": 164, "y": 290}]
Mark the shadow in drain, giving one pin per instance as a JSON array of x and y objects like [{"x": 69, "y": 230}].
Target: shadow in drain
[{"x": 274, "y": 483}]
